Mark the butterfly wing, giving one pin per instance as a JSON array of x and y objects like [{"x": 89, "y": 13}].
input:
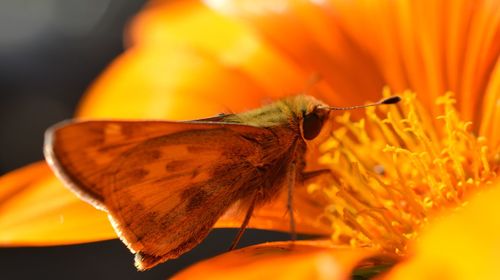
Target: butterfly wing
[
  {"x": 164, "y": 184},
  {"x": 79, "y": 152}
]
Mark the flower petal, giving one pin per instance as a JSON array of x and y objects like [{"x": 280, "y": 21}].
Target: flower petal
[
  {"x": 177, "y": 71},
  {"x": 426, "y": 46},
  {"x": 281, "y": 260},
  {"x": 481, "y": 53},
  {"x": 311, "y": 38},
  {"x": 35, "y": 210},
  {"x": 491, "y": 111},
  {"x": 462, "y": 245},
  {"x": 162, "y": 82},
  {"x": 231, "y": 42}
]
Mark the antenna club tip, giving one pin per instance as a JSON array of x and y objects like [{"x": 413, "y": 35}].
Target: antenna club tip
[{"x": 391, "y": 100}]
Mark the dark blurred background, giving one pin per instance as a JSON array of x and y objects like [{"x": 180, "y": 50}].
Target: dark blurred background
[{"x": 50, "y": 51}]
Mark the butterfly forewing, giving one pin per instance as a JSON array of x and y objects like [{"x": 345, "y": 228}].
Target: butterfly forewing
[
  {"x": 80, "y": 152},
  {"x": 164, "y": 184}
]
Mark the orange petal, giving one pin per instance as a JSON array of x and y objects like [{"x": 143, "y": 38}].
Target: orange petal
[
  {"x": 310, "y": 36},
  {"x": 490, "y": 112},
  {"x": 236, "y": 45},
  {"x": 162, "y": 82},
  {"x": 342, "y": 42},
  {"x": 36, "y": 210},
  {"x": 281, "y": 260},
  {"x": 481, "y": 53},
  {"x": 176, "y": 70},
  {"x": 358, "y": 46},
  {"x": 462, "y": 245}
]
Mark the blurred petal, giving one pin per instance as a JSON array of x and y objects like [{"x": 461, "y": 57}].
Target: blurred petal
[
  {"x": 281, "y": 260},
  {"x": 311, "y": 37},
  {"x": 491, "y": 111},
  {"x": 161, "y": 82},
  {"x": 426, "y": 46},
  {"x": 236, "y": 45},
  {"x": 462, "y": 245},
  {"x": 481, "y": 53},
  {"x": 177, "y": 72},
  {"x": 35, "y": 210}
]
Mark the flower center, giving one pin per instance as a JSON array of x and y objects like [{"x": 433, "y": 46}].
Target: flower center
[{"x": 396, "y": 168}]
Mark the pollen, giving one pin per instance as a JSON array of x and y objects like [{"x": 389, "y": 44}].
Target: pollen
[{"x": 397, "y": 167}]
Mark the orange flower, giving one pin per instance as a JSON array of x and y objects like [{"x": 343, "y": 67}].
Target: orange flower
[{"x": 410, "y": 180}]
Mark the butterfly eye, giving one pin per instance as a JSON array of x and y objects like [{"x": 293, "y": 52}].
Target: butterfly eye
[{"x": 311, "y": 126}]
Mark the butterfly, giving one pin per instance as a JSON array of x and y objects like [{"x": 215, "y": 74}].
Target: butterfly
[{"x": 164, "y": 184}]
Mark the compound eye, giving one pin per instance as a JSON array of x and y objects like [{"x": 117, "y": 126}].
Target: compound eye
[{"x": 311, "y": 126}]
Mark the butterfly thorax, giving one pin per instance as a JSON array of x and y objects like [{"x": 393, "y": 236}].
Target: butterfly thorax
[
  {"x": 286, "y": 112},
  {"x": 284, "y": 145}
]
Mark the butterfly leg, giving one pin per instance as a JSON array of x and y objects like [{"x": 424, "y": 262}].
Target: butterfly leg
[
  {"x": 291, "y": 185},
  {"x": 316, "y": 173},
  {"x": 246, "y": 220}
]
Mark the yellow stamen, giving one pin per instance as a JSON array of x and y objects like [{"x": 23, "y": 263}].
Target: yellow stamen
[{"x": 397, "y": 167}]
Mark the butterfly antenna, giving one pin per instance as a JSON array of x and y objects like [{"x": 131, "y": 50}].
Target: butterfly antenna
[{"x": 390, "y": 100}]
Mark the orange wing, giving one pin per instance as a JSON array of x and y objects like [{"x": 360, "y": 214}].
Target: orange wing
[{"x": 164, "y": 184}]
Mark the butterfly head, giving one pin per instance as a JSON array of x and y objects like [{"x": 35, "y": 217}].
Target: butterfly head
[
  {"x": 313, "y": 114},
  {"x": 309, "y": 113},
  {"x": 313, "y": 119}
]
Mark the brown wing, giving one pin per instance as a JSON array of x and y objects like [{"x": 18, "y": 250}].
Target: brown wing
[
  {"x": 79, "y": 152},
  {"x": 164, "y": 184}
]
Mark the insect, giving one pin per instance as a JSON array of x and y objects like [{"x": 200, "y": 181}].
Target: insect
[{"x": 164, "y": 184}]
